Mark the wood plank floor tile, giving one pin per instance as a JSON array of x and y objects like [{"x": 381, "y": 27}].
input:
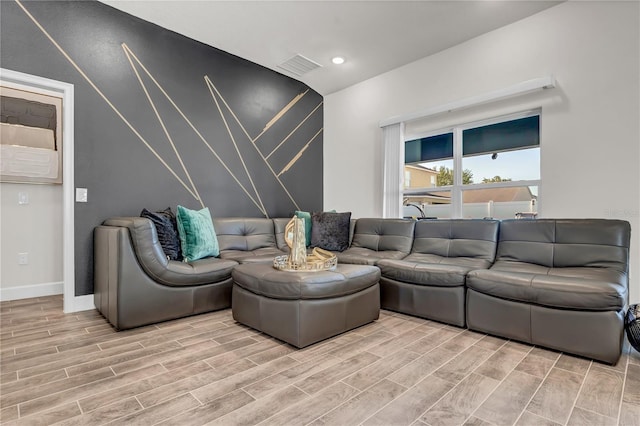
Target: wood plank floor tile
[
  {"x": 8, "y": 377},
  {"x": 289, "y": 376},
  {"x": 53, "y": 387},
  {"x": 259, "y": 410},
  {"x": 500, "y": 364},
  {"x": 215, "y": 390},
  {"x": 581, "y": 417},
  {"x": 529, "y": 419},
  {"x": 159, "y": 412},
  {"x": 191, "y": 383},
  {"x": 105, "y": 398},
  {"x": 396, "y": 343},
  {"x": 8, "y": 414},
  {"x": 58, "y": 360},
  {"x": 380, "y": 369},
  {"x": 51, "y": 416},
  {"x": 555, "y": 398},
  {"x": 362, "y": 344},
  {"x": 631, "y": 393},
  {"x": 463, "y": 364},
  {"x": 474, "y": 421},
  {"x": 462, "y": 341},
  {"x": 30, "y": 382},
  {"x": 105, "y": 414},
  {"x": 457, "y": 405},
  {"x": 211, "y": 411},
  {"x": 75, "y": 393},
  {"x": 491, "y": 342},
  {"x": 601, "y": 391},
  {"x": 504, "y": 405},
  {"x": 120, "y": 356},
  {"x": 629, "y": 414},
  {"x": 360, "y": 407},
  {"x": 433, "y": 340},
  {"x": 309, "y": 409},
  {"x": 420, "y": 368},
  {"x": 573, "y": 364},
  {"x": 330, "y": 375},
  {"x": 408, "y": 407},
  {"x": 535, "y": 365}
]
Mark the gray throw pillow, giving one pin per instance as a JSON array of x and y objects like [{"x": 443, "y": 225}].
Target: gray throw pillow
[{"x": 330, "y": 231}]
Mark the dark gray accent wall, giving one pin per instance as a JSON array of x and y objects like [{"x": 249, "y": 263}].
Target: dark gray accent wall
[{"x": 121, "y": 173}]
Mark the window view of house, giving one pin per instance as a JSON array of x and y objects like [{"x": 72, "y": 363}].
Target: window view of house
[{"x": 499, "y": 174}]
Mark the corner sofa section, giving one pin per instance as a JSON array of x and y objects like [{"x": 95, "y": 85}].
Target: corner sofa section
[{"x": 135, "y": 284}]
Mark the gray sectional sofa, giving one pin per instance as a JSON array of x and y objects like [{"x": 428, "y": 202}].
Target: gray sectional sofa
[{"x": 561, "y": 284}]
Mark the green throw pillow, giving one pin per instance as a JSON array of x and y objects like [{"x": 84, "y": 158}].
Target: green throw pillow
[
  {"x": 307, "y": 225},
  {"x": 197, "y": 236}
]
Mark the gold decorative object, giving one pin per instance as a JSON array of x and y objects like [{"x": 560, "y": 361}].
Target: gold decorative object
[{"x": 297, "y": 259}]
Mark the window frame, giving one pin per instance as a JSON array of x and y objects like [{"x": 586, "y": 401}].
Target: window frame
[{"x": 458, "y": 187}]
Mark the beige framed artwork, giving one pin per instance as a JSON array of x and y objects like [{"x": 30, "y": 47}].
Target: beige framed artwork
[{"x": 30, "y": 136}]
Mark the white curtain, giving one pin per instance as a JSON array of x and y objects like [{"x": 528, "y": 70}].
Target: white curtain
[{"x": 393, "y": 172}]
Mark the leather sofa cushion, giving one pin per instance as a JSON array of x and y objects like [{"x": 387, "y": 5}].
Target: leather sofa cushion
[
  {"x": 457, "y": 238},
  {"x": 601, "y": 243},
  {"x": 446, "y": 274},
  {"x": 596, "y": 289},
  {"x": 279, "y": 225},
  {"x": 269, "y": 282},
  {"x": 384, "y": 234},
  {"x": 244, "y": 233},
  {"x": 261, "y": 255},
  {"x": 365, "y": 256},
  {"x": 168, "y": 272}
]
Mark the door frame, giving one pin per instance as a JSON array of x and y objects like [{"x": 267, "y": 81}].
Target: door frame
[{"x": 19, "y": 80}]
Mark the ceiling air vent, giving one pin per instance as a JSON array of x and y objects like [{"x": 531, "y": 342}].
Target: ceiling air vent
[{"x": 299, "y": 65}]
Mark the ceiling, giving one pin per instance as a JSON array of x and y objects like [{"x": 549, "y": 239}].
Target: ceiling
[{"x": 373, "y": 36}]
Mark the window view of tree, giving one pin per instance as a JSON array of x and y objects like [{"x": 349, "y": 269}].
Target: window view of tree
[
  {"x": 445, "y": 176},
  {"x": 495, "y": 179}
]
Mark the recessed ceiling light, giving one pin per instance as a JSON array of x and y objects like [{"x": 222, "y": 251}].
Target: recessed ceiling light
[{"x": 338, "y": 60}]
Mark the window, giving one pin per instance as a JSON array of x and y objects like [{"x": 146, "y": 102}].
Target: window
[{"x": 485, "y": 169}]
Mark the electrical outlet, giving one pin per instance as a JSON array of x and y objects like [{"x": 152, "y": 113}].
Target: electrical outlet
[
  {"x": 23, "y": 198},
  {"x": 23, "y": 258}
]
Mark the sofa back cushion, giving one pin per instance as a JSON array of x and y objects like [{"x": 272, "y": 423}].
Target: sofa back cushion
[
  {"x": 474, "y": 238},
  {"x": 244, "y": 233},
  {"x": 384, "y": 234},
  {"x": 600, "y": 243},
  {"x": 279, "y": 225}
]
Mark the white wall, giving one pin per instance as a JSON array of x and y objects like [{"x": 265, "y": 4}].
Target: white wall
[
  {"x": 36, "y": 229},
  {"x": 590, "y": 125}
]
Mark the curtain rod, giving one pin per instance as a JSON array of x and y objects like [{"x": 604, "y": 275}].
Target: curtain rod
[{"x": 546, "y": 82}]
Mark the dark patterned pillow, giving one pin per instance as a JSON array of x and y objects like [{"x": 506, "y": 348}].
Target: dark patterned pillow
[
  {"x": 330, "y": 231},
  {"x": 167, "y": 230}
]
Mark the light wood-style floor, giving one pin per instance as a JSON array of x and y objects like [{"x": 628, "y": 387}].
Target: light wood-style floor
[{"x": 76, "y": 369}]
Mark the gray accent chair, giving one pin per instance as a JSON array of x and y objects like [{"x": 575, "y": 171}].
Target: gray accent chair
[
  {"x": 430, "y": 282},
  {"x": 375, "y": 239},
  {"x": 561, "y": 284},
  {"x": 135, "y": 284},
  {"x": 247, "y": 239}
]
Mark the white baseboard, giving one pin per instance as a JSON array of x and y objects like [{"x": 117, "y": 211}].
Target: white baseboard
[
  {"x": 71, "y": 304},
  {"x": 29, "y": 291},
  {"x": 80, "y": 303}
]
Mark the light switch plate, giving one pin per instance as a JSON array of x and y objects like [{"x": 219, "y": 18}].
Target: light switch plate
[
  {"x": 23, "y": 198},
  {"x": 81, "y": 195}
]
